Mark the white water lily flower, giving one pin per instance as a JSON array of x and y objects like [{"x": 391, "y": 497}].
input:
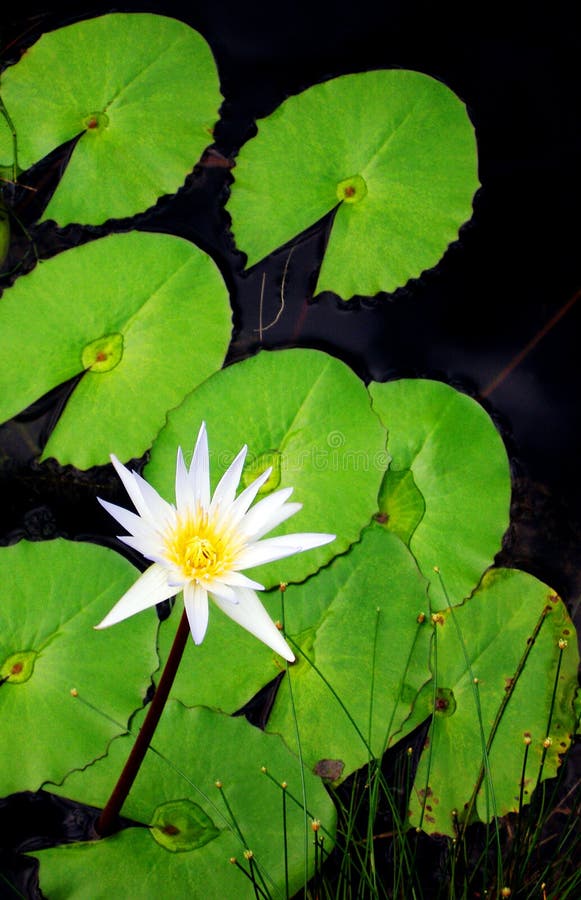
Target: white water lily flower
[{"x": 200, "y": 545}]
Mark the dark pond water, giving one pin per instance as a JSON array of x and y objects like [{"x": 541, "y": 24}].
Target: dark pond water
[{"x": 511, "y": 282}]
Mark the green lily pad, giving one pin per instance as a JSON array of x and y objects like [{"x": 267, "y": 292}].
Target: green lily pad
[
  {"x": 393, "y": 150},
  {"x": 496, "y": 625},
  {"x": 357, "y": 620},
  {"x": 306, "y": 414},
  {"x": 145, "y": 317},
  {"x": 447, "y": 491},
  {"x": 370, "y": 642},
  {"x": 190, "y": 841},
  {"x": 140, "y": 91},
  {"x": 53, "y": 593}
]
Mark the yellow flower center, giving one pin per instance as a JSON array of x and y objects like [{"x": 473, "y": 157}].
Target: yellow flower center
[
  {"x": 203, "y": 550},
  {"x": 199, "y": 556}
]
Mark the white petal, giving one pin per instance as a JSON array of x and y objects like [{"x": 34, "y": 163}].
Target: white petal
[
  {"x": 251, "y": 615},
  {"x": 150, "y": 547},
  {"x": 132, "y": 523},
  {"x": 199, "y": 473},
  {"x": 196, "y": 604},
  {"x": 161, "y": 512},
  {"x": 219, "y": 589},
  {"x": 279, "y": 547},
  {"x": 148, "y": 503},
  {"x": 257, "y": 521},
  {"x": 128, "y": 479},
  {"x": 247, "y": 496},
  {"x": 149, "y": 589},
  {"x": 238, "y": 579},
  {"x": 228, "y": 484},
  {"x": 182, "y": 488},
  {"x": 288, "y": 510}
]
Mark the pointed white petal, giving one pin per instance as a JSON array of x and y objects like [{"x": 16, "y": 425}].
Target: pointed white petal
[
  {"x": 128, "y": 479},
  {"x": 199, "y": 473},
  {"x": 132, "y": 523},
  {"x": 238, "y": 579},
  {"x": 257, "y": 520},
  {"x": 196, "y": 604},
  {"x": 219, "y": 589},
  {"x": 160, "y": 511},
  {"x": 149, "y": 589},
  {"x": 288, "y": 510},
  {"x": 247, "y": 496},
  {"x": 148, "y": 503},
  {"x": 228, "y": 484},
  {"x": 251, "y": 615},
  {"x": 279, "y": 547},
  {"x": 151, "y": 548},
  {"x": 183, "y": 490}
]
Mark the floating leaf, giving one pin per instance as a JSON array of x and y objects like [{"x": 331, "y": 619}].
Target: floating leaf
[
  {"x": 447, "y": 491},
  {"x": 357, "y": 621},
  {"x": 496, "y": 626},
  {"x": 4, "y": 231},
  {"x": 393, "y": 150},
  {"x": 6, "y": 146},
  {"x": 53, "y": 593},
  {"x": 190, "y": 841},
  {"x": 145, "y": 317},
  {"x": 366, "y": 643},
  {"x": 140, "y": 91},
  {"x": 307, "y": 415}
]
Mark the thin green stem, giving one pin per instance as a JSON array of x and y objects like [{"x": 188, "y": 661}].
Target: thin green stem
[
  {"x": 299, "y": 745},
  {"x": 285, "y": 844},
  {"x": 109, "y": 818}
]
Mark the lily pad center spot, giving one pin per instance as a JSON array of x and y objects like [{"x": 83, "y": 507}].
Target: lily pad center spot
[
  {"x": 257, "y": 465},
  {"x": 181, "y": 825},
  {"x": 18, "y": 667},
  {"x": 96, "y": 121},
  {"x": 401, "y": 505},
  {"x": 352, "y": 190},
  {"x": 445, "y": 703},
  {"x": 103, "y": 354}
]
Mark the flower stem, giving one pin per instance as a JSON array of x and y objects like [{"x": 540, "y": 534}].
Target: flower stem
[{"x": 108, "y": 820}]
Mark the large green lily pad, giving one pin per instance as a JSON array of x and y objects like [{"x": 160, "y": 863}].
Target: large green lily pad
[
  {"x": 496, "y": 625},
  {"x": 447, "y": 491},
  {"x": 309, "y": 417},
  {"x": 53, "y": 593},
  {"x": 393, "y": 150},
  {"x": 357, "y": 621},
  {"x": 371, "y": 644},
  {"x": 145, "y": 317},
  {"x": 187, "y": 849},
  {"x": 140, "y": 91}
]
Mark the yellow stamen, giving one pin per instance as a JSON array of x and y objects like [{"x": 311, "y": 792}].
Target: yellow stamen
[{"x": 203, "y": 550}]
